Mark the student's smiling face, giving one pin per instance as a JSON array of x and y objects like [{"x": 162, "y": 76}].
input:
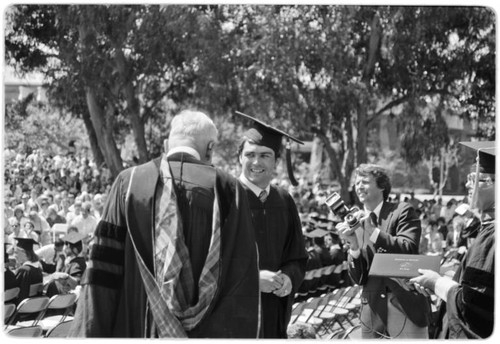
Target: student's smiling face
[{"x": 258, "y": 164}]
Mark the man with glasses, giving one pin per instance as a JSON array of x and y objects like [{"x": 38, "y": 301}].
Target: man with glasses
[{"x": 469, "y": 296}]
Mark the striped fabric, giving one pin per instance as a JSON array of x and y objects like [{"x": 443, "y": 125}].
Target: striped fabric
[
  {"x": 263, "y": 196},
  {"x": 171, "y": 291}
]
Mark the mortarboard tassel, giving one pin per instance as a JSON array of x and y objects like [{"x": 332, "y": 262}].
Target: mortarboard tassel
[
  {"x": 289, "y": 164},
  {"x": 476, "y": 183}
]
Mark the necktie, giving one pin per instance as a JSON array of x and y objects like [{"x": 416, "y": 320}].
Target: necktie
[
  {"x": 373, "y": 218},
  {"x": 263, "y": 196}
]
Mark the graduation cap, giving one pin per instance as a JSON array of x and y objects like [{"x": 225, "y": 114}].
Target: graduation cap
[
  {"x": 486, "y": 152},
  {"x": 26, "y": 243},
  {"x": 485, "y": 161},
  {"x": 73, "y": 238},
  {"x": 263, "y": 134},
  {"x": 317, "y": 233}
]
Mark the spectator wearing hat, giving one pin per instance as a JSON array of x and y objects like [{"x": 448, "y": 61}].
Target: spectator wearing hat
[
  {"x": 468, "y": 310},
  {"x": 66, "y": 280},
  {"x": 29, "y": 271}
]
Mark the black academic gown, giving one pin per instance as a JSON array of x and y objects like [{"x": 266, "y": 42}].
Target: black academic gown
[
  {"x": 113, "y": 302},
  {"x": 470, "y": 304},
  {"x": 27, "y": 275},
  {"x": 281, "y": 247},
  {"x": 9, "y": 279}
]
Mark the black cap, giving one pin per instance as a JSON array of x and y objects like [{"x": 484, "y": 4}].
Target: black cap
[
  {"x": 263, "y": 134},
  {"x": 73, "y": 237},
  {"x": 485, "y": 155},
  {"x": 266, "y": 135},
  {"x": 26, "y": 243},
  {"x": 317, "y": 233}
]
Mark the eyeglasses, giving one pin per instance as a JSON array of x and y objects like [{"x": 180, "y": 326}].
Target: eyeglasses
[{"x": 471, "y": 178}]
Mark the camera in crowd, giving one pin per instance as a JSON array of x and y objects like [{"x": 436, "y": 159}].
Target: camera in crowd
[{"x": 340, "y": 209}]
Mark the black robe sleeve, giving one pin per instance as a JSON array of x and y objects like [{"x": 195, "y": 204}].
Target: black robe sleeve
[{"x": 103, "y": 277}]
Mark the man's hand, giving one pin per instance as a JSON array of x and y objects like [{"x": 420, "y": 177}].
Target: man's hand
[
  {"x": 270, "y": 281},
  {"x": 425, "y": 284},
  {"x": 348, "y": 234},
  {"x": 286, "y": 288}
]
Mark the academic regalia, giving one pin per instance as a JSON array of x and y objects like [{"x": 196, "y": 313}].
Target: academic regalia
[
  {"x": 470, "y": 305},
  {"x": 9, "y": 276},
  {"x": 281, "y": 248},
  {"x": 9, "y": 279},
  {"x": 113, "y": 301},
  {"x": 26, "y": 275},
  {"x": 30, "y": 272},
  {"x": 278, "y": 232}
]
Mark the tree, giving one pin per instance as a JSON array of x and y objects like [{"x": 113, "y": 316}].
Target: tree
[
  {"x": 113, "y": 65},
  {"x": 338, "y": 68},
  {"x": 324, "y": 71}
]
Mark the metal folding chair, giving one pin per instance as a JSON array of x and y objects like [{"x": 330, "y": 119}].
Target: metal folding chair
[
  {"x": 60, "y": 330},
  {"x": 29, "y": 331}
]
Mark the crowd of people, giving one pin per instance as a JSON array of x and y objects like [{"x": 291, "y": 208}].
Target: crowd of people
[{"x": 54, "y": 229}]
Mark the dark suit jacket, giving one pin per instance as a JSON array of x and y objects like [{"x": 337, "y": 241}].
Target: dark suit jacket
[{"x": 400, "y": 232}]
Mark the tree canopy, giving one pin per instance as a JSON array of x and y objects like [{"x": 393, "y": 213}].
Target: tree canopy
[{"x": 313, "y": 70}]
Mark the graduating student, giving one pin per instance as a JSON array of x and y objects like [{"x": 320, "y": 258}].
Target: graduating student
[
  {"x": 71, "y": 273},
  {"x": 174, "y": 252},
  {"x": 30, "y": 269},
  {"x": 278, "y": 230},
  {"x": 470, "y": 296},
  {"x": 9, "y": 276}
]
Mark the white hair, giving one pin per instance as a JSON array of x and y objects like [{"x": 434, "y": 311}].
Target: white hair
[{"x": 193, "y": 124}]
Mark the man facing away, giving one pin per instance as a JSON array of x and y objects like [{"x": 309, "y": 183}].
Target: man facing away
[
  {"x": 280, "y": 242},
  {"x": 470, "y": 296},
  {"x": 173, "y": 257},
  {"x": 389, "y": 308}
]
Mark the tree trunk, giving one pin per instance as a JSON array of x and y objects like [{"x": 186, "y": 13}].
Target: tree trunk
[
  {"x": 94, "y": 146},
  {"x": 133, "y": 107},
  {"x": 104, "y": 131}
]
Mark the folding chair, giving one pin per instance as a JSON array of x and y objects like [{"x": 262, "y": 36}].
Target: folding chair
[
  {"x": 333, "y": 307},
  {"x": 10, "y": 294},
  {"x": 60, "y": 330},
  {"x": 32, "y": 306},
  {"x": 9, "y": 309},
  {"x": 307, "y": 313},
  {"x": 29, "y": 331},
  {"x": 321, "y": 312},
  {"x": 36, "y": 289},
  {"x": 350, "y": 300},
  {"x": 62, "y": 302}
]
